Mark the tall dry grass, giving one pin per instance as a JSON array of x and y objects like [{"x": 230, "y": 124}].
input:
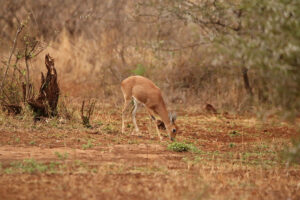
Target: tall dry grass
[{"x": 96, "y": 45}]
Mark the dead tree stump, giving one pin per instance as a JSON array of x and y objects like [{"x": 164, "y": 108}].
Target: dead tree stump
[{"x": 45, "y": 105}]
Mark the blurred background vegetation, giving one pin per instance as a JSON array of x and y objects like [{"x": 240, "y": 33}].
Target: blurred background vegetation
[{"x": 238, "y": 55}]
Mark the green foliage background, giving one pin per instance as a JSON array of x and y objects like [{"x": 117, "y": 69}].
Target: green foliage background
[{"x": 268, "y": 44}]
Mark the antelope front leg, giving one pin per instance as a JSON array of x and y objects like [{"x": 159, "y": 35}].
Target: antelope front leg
[
  {"x": 133, "y": 116},
  {"x": 155, "y": 123},
  {"x": 158, "y": 132},
  {"x": 152, "y": 118}
]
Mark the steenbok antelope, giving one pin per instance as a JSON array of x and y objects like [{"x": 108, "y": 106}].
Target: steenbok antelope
[{"x": 142, "y": 90}]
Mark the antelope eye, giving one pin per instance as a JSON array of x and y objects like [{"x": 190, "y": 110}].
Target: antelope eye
[{"x": 174, "y": 130}]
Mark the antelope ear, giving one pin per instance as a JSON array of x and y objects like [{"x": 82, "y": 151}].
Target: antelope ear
[{"x": 172, "y": 117}]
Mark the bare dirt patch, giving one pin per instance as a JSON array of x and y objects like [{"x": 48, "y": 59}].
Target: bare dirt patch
[{"x": 136, "y": 154}]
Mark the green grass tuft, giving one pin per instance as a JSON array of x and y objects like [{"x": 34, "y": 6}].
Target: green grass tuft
[
  {"x": 88, "y": 145},
  {"x": 183, "y": 147}
]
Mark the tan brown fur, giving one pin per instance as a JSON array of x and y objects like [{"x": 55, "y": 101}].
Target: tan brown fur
[{"x": 147, "y": 93}]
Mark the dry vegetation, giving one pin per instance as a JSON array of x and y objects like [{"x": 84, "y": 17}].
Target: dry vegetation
[
  {"x": 235, "y": 91},
  {"x": 236, "y": 158}
]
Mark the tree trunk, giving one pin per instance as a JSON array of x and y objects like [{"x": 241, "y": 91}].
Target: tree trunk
[{"x": 246, "y": 81}]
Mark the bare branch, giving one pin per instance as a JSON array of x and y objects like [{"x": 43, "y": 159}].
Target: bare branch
[
  {"x": 86, "y": 119},
  {"x": 10, "y": 56}
]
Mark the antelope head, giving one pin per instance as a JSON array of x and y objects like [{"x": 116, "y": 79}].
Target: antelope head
[{"x": 173, "y": 128}]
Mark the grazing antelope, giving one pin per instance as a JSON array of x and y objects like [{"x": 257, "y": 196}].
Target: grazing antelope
[{"x": 142, "y": 90}]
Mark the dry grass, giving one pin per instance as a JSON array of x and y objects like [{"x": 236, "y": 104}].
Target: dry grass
[
  {"x": 238, "y": 158},
  {"x": 93, "y": 68}
]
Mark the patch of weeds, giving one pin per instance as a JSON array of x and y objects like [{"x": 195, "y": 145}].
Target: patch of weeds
[
  {"x": 81, "y": 166},
  {"x": 79, "y": 163},
  {"x": 115, "y": 140},
  {"x": 31, "y": 166},
  {"x": 99, "y": 123},
  {"x": 53, "y": 167},
  {"x": 178, "y": 147},
  {"x": 108, "y": 129},
  {"x": 88, "y": 145},
  {"x": 139, "y": 70},
  {"x": 231, "y": 145},
  {"x": 262, "y": 147},
  {"x": 63, "y": 167},
  {"x": 234, "y": 133},
  {"x": 183, "y": 147},
  {"x": 133, "y": 142},
  {"x": 53, "y": 123},
  {"x": 8, "y": 170},
  {"x": 229, "y": 155},
  {"x": 62, "y": 156},
  {"x": 59, "y": 135},
  {"x": 32, "y": 142},
  {"x": 164, "y": 134},
  {"x": 245, "y": 155},
  {"x": 27, "y": 166},
  {"x": 17, "y": 140}
]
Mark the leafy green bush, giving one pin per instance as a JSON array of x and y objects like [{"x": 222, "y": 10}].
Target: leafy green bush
[
  {"x": 139, "y": 70},
  {"x": 267, "y": 44},
  {"x": 181, "y": 147}
]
